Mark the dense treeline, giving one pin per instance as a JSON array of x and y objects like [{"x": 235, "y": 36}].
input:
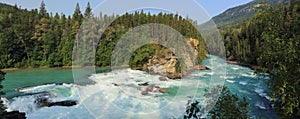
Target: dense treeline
[
  {"x": 126, "y": 21},
  {"x": 271, "y": 41},
  {"x": 37, "y": 38}
]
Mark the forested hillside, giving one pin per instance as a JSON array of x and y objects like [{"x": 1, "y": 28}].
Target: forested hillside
[
  {"x": 238, "y": 15},
  {"x": 271, "y": 41},
  {"x": 37, "y": 38}
]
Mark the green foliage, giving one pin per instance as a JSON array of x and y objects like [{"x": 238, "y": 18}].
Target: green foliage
[
  {"x": 77, "y": 16},
  {"x": 43, "y": 12},
  {"x": 229, "y": 106},
  {"x": 141, "y": 55},
  {"x": 271, "y": 41},
  {"x": 33, "y": 38},
  {"x": 177, "y": 66},
  {"x": 88, "y": 11},
  {"x": 123, "y": 23},
  {"x": 280, "y": 58}
]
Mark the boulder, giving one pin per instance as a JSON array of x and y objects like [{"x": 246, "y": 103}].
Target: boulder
[
  {"x": 162, "y": 78},
  {"x": 67, "y": 103},
  {"x": 162, "y": 90},
  {"x": 43, "y": 101},
  {"x": 115, "y": 84},
  {"x": 150, "y": 88},
  {"x": 156, "y": 87},
  {"x": 144, "y": 84},
  {"x": 201, "y": 67},
  {"x": 174, "y": 75},
  {"x": 145, "y": 92}
]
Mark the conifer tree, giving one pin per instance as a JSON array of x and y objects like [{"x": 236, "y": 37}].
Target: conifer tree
[
  {"x": 88, "y": 11},
  {"x": 43, "y": 11}
]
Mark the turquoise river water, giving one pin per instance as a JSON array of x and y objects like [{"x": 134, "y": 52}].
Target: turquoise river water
[{"x": 102, "y": 99}]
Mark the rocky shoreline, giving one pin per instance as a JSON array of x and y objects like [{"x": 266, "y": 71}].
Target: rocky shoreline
[{"x": 241, "y": 64}]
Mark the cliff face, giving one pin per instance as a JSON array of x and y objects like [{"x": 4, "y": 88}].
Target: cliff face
[
  {"x": 165, "y": 66},
  {"x": 172, "y": 66}
]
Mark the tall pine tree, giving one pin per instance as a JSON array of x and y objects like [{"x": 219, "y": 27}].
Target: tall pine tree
[
  {"x": 88, "y": 11},
  {"x": 43, "y": 11}
]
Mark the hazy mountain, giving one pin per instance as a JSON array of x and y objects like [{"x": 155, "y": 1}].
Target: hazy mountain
[{"x": 236, "y": 15}]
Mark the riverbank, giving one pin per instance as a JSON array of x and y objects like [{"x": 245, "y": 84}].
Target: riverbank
[
  {"x": 19, "y": 68},
  {"x": 46, "y": 67},
  {"x": 242, "y": 64}
]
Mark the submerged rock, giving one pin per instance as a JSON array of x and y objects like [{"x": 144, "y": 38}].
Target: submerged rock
[
  {"x": 116, "y": 84},
  {"x": 156, "y": 86},
  {"x": 201, "y": 67},
  {"x": 13, "y": 115},
  {"x": 150, "y": 88},
  {"x": 42, "y": 100},
  {"x": 162, "y": 78},
  {"x": 144, "y": 84},
  {"x": 46, "y": 103},
  {"x": 67, "y": 103},
  {"x": 174, "y": 75},
  {"x": 163, "y": 90},
  {"x": 154, "y": 89},
  {"x": 145, "y": 92}
]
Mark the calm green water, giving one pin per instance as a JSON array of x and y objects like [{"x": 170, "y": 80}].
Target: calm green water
[{"x": 34, "y": 77}]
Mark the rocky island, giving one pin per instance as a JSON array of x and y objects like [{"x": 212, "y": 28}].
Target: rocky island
[{"x": 164, "y": 62}]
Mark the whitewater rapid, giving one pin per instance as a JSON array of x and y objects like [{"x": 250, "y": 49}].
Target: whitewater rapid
[{"x": 105, "y": 99}]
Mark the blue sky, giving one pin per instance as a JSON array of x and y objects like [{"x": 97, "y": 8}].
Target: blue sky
[{"x": 213, "y": 7}]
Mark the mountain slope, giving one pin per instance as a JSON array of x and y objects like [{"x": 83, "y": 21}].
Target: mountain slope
[{"x": 237, "y": 15}]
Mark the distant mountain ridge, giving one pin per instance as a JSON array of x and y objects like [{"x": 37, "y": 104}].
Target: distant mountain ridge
[{"x": 239, "y": 14}]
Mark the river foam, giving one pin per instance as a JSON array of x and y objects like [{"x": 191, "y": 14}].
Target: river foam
[{"x": 117, "y": 94}]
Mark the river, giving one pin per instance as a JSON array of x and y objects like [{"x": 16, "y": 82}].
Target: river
[{"x": 104, "y": 100}]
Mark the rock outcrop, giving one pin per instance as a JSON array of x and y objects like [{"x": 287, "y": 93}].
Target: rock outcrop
[
  {"x": 144, "y": 84},
  {"x": 167, "y": 67},
  {"x": 163, "y": 66},
  {"x": 195, "y": 44},
  {"x": 42, "y": 100},
  {"x": 201, "y": 67},
  {"x": 154, "y": 89},
  {"x": 166, "y": 64},
  {"x": 162, "y": 78}
]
